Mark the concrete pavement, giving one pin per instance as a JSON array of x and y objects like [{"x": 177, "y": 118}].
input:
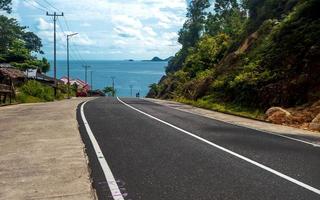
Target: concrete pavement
[{"x": 42, "y": 154}]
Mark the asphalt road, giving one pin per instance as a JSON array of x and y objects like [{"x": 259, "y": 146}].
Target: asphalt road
[{"x": 155, "y": 152}]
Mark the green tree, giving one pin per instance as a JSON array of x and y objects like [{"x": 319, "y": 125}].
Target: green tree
[
  {"x": 154, "y": 90},
  {"x": 5, "y": 5},
  {"x": 207, "y": 53},
  {"x": 109, "y": 91},
  {"x": 18, "y": 52},
  {"x": 190, "y": 32},
  {"x": 32, "y": 42},
  {"x": 261, "y": 10},
  {"x": 229, "y": 17},
  {"x": 10, "y": 30},
  {"x": 193, "y": 27},
  {"x": 17, "y": 45}
]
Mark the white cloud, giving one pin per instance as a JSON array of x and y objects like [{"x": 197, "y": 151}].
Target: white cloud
[
  {"x": 85, "y": 25},
  {"x": 140, "y": 26},
  {"x": 125, "y": 20},
  {"x": 149, "y": 31},
  {"x": 83, "y": 40},
  {"x": 44, "y": 25}
]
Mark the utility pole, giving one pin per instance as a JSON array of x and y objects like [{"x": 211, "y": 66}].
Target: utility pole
[
  {"x": 68, "y": 62},
  {"x": 131, "y": 86},
  {"x": 91, "y": 80},
  {"x": 55, "y": 16},
  {"x": 86, "y": 73},
  {"x": 113, "y": 93}
]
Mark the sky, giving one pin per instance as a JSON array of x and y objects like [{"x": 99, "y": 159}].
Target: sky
[{"x": 108, "y": 29}]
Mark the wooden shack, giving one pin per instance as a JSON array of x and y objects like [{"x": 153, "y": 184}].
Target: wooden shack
[{"x": 10, "y": 77}]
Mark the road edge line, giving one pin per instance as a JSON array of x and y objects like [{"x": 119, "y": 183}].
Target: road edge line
[
  {"x": 239, "y": 125},
  {"x": 286, "y": 177},
  {"x": 113, "y": 186}
]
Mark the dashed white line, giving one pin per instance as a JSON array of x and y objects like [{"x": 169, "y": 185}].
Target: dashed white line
[
  {"x": 288, "y": 178},
  {"x": 113, "y": 186}
]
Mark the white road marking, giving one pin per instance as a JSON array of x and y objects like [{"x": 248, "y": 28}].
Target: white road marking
[
  {"x": 239, "y": 125},
  {"x": 288, "y": 178},
  {"x": 113, "y": 186}
]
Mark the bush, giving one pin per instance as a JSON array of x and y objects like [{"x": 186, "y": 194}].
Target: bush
[
  {"x": 34, "y": 91},
  {"x": 207, "y": 53}
]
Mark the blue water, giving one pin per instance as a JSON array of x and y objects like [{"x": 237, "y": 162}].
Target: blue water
[{"x": 139, "y": 74}]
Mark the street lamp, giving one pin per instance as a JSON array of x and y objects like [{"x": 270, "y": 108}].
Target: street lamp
[{"x": 69, "y": 36}]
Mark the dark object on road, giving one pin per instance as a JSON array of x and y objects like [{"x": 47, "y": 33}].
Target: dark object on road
[{"x": 96, "y": 93}]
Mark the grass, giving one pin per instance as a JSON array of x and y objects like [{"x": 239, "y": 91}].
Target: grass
[{"x": 225, "y": 108}]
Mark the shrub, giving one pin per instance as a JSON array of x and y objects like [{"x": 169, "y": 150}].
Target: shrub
[{"x": 33, "y": 91}]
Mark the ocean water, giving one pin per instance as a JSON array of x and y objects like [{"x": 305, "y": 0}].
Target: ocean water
[{"x": 139, "y": 74}]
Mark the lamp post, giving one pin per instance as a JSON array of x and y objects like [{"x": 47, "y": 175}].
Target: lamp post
[{"x": 68, "y": 63}]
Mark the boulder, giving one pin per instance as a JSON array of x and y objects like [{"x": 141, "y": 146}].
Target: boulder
[
  {"x": 315, "y": 124},
  {"x": 279, "y": 115}
]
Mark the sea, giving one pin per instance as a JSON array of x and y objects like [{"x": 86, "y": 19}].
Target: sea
[{"x": 137, "y": 75}]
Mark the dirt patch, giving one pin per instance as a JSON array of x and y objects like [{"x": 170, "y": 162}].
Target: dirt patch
[{"x": 304, "y": 117}]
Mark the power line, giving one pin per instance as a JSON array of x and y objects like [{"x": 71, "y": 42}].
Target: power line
[
  {"x": 37, "y": 6},
  {"x": 77, "y": 54},
  {"x": 43, "y": 6},
  {"x": 51, "y": 5},
  {"x": 75, "y": 51},
  {"x": 86, "y": 72},
  {"x": 66, "y": 23},
  {"x": 55, "y": 16}
]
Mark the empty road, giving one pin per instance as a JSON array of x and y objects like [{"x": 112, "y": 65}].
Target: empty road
[{"x": 141, "y": 150}]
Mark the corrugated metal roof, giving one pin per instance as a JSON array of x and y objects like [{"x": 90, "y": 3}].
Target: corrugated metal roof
[
  {"x": 5, "y": 65},
  {"x": 8, "y": 70}
]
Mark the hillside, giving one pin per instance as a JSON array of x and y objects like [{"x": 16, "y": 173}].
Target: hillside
[
  {"x": 157, "y": 59},
  {"x": 247, "y": 64}
]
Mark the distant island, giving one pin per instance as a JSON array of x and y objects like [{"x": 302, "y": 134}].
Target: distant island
[{"x": 157, "y": 59}]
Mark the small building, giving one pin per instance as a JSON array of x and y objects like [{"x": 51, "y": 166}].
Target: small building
[
  {"x": 36, "y": 74},
  {"x": 82, "y": 86},
  {"x": 10, "y": 78}
]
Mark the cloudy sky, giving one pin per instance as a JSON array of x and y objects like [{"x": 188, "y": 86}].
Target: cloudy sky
[{"x": 108, "y": 29}]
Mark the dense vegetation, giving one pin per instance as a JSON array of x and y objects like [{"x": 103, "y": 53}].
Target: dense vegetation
[
  {"x": 21, "y": 48},
  {"x": 18, "y": 46},
  {"x": 246, "y": 54},
  {"x": 33, "y": 91}
]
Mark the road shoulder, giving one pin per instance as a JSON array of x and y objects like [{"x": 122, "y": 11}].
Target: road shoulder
[
  {"x": 42, "y": 155},
  {"x": 285, "y": 131}
]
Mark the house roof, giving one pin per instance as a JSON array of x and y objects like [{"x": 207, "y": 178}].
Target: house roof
[
  {"x": 5, "y": 65},
  {"x": 8, "y": 70},
  {"x": 79, "y": 82},
  {"x": 46, "y": 78}
]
